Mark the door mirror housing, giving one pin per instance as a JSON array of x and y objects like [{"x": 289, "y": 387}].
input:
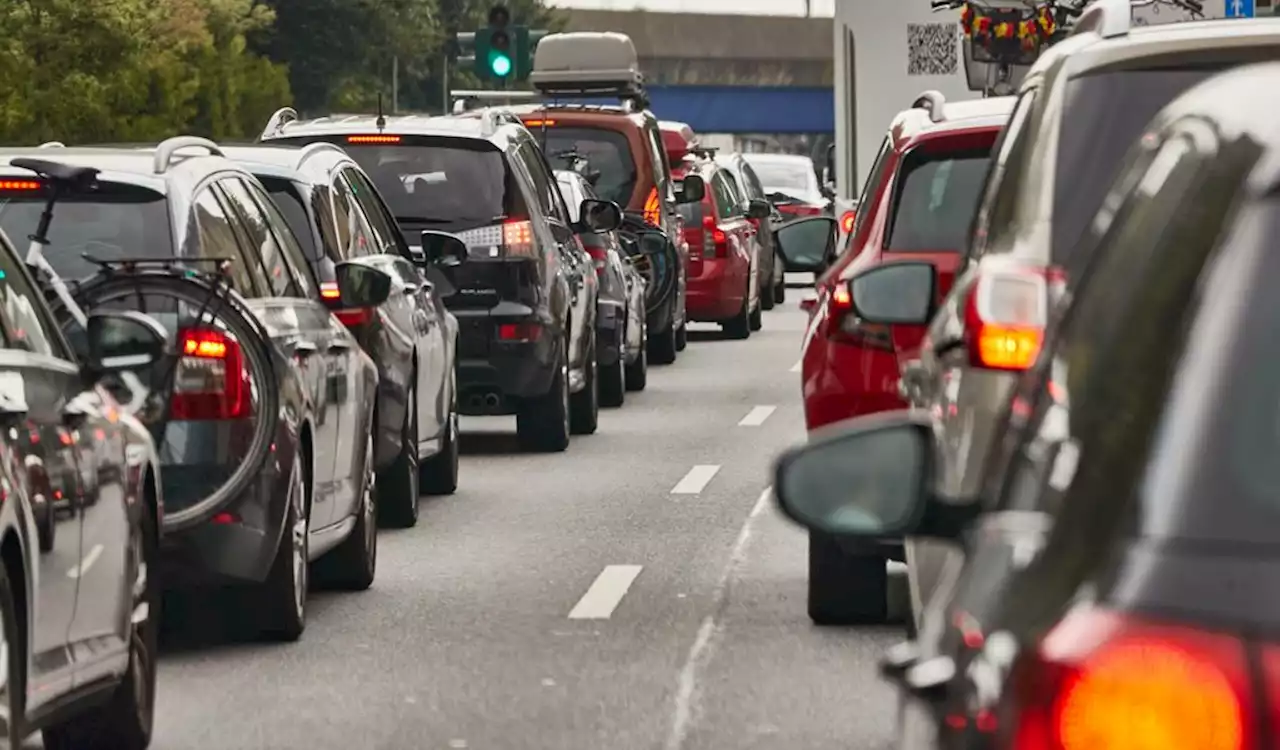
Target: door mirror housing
[
  {"x": 870, "y": 480},
  {"x": 122, "y": 340},
  {"x": 692, "y": 190},
  {"x": 807, "y": 244},
  {"x": 443, "y": 248},
  {"x": 361, "y": 286},
  {"x": 759, "y": 209},
  {"x": 598, "y": 216},
  {"x": 895, "y": 293}
]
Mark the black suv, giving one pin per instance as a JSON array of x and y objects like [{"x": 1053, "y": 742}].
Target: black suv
[
  {"x": 525, "y": 298},
  {"x": 333, "y": 209},
  {"x": 311, "y": 496}
]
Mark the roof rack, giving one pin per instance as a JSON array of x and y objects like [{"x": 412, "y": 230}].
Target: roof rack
[
  {"x": 705, "y": 152},
  {"x": 169, "y": 148},
  {"x": 52, "y": 144},
  {"x": 311, "y": 149},
  {"x": 277, "y": 121},
  {"x": 491, "y": 118},
  {"x": 933, "y": 102},
  {"x": 589, "y": 64}
]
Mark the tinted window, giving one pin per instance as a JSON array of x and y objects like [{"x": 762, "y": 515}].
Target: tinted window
[
  {"x": 755, "y": 190},
  {"x": 569, "y": 188},
  {"x": 116, "y": 221},
  {"x": 1117, "y": 107},
  {"x": 353, "y": 226},
  {"x": 875, "y": 178},
  {"x": 290, "y": 198},
  {"x": 295, "y": 262},
  {"x": 544, "y": 185},
  {"x": 606, "y": 151},
  {"x": 935, "y": 197},
  {"x": 216, "y": 238},
  {"x": 27, "y": 324},
  {"x": 374, "y": 211},
  {"x": 279, "y": 281},
  {"x": 1009, "y": 147},
  {"x": 726, "y": 195}
]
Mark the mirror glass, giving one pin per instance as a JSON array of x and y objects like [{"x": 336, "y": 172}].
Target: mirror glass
[
  {"x": 361, "y": 286},
  {"x": 896, "y": 293},
  {"x": 807, "y": 243},
  {"x": 443, "y": 248},
  {"x": 600, "y": 216},
  {"x": 692, "y": 189},
  {"x": 866, "y": 483},
  {"x": 124, "y": 341}
]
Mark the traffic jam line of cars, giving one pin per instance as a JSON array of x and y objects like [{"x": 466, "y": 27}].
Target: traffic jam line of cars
[
  {"x": 228, "y": 366},
  {"x": 1052, "y": 325}
]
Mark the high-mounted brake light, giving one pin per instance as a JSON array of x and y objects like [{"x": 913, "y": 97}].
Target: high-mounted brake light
[
  {"x": 539, "y": 123},
  {"x": 211, "y": 381},
  {"x": 373, "y": 139},
  {"x": 847, "y": 220},
  {"x": 19, "y": 185}
]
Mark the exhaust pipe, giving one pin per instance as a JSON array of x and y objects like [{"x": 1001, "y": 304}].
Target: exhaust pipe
[
  {"x": 474, "y": 402},
  {"x": 491, "y": 401}
]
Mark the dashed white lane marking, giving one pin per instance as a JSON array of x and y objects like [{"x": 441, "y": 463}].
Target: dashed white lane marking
[
  {"x": 605, "y": 593},
  {"x": 695, "y": 480},
  {"x": 704, "y": 644},
  {"x": 757, "y": 416},
  {"x": 86, "y": 562},
  {"x": 798, "y": 365}
]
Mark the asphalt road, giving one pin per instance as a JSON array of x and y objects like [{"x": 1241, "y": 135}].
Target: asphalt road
[{"x": 497, "y": 622}]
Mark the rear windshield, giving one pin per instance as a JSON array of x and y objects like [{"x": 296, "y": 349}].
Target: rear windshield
[
  {"x": 116, "y": 221},
  {"x": 288, "y": 196},
  {"x": 783, "y": 177},
  {"x": 606, "y": 152},
  {"x": 936, "y": 195},
  {"x": 452, "y": 184},
  {"x": 1116, "y": 106}
]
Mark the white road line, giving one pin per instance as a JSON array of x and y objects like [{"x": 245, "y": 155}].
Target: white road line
[
  {"x": 696, "y": 479},
  {"x": 757, "y": 416},
  {"x": 86, "y": 563},
  {"x": 798, "y": 365},
  {"x": 704, "y": 644},
  {"x": 605, "y": 593}
]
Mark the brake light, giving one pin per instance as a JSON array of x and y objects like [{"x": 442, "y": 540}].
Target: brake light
[
  {"x": 19, "y": 185},
  {"x": 715, "y": 243},
  {"x": 1105, "y": 681},
  {"x": 539, "y": 123},
  {"x": 211, "y": 381},
  {"x": 1005, "y": 315},
  {"x": 653, "y": 208},
  {"x": 329, "y": 290},
  {"x": 803, "y": 209},
  {"x": 519, "y": 332},
  {"x": 517, "y": 238},
  {"x": 846, "y": 221},
  {"x": 373, "y": 139}
]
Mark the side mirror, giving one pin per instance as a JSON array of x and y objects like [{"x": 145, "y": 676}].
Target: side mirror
[
  {"x": 871, "y": 480},
  {"x": 692, "y": 190},
  {"x": 361, "y": 286},
  {"x": 443, "y": 248},
  {"x": 118, "y": 341},
  {"x": 895, "y": 293},
  {"x": 599, "y": 216},
  {"x": 759, "y": 209},
  {"x": 806, "y": 244}
]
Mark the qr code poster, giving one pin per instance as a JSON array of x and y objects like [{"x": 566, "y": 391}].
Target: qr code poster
[{"x": 932, "y": 49}]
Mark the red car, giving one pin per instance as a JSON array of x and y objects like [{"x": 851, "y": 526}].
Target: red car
[{"x": 919, "y": 203}]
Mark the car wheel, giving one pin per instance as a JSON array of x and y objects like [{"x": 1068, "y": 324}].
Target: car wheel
[
  {"x": 756, "y": 321},
  {"x": 542, "y": 424},
  {"x": 125, "y": 721},
  {"x": 845, "y": 588},
  {"x": 282, "y": 599},
  {"x": 638, "y": 371},
  {"x": 584, "y": 406},
  {"x": 13, "y": 662},
  {"x": 664, "y": 346},
  {"x": 682, "y": 337},
  {"x": 780, "y": 286},
  {"x": 739, "y": 326},
  {"x": 353, "y": 565},
  {"x": 613, "y": 383},
  {"x": 767, "y": 299},
  {"x": 439, "y": 474},
  {"x": 398, "y": 494}
]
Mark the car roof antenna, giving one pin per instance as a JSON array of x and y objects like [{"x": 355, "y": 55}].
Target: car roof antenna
[{"x": 381, "y": 122}]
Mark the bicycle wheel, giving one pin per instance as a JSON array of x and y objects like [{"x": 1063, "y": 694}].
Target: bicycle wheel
[{"x": 217, "y": 396}]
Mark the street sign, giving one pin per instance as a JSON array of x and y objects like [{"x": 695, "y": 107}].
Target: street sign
[{"x": 1240, "y": 8}]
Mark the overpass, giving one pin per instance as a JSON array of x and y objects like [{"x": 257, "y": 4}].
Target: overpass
[{"x": 730, "y": 74}]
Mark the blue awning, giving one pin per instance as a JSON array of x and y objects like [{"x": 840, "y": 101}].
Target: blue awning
[{"x": 747, "y": 109}]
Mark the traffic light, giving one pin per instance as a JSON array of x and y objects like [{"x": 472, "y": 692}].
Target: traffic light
[
  {"x": 495, "y": 58},
  {"x": 526, "y": 42}
]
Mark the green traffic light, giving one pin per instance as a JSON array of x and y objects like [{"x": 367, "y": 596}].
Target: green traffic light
[{"x": 500, "y": 65}]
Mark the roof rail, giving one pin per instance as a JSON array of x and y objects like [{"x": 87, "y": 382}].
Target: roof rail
[
  {"x": 311, "y": 149},
  {"x": 168, "y": 148},
  {"x": 52, "y": 144},
  {"x": 465, "y": 99},
  {"x": 1107, "y": 18},
  {"x": 277, "y": 121},
  {"x": 932, "y": 101}
]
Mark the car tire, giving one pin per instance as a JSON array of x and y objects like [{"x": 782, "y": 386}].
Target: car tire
[
  {"x": 682, "y": 337},
  {"x": 664, "y": 346},
  {"x": 613, "y": 383},
  {"x": 766, "y": 293},
  {"x": 126, "y": 719},
  {"x": 438, "y": 475},
  {"x": 282, "y": 598},
  {"x": 15, "y": 650},
  {"x": 845, "y": 588},
  {"x": 542, "y": 424},
  {"x": 756, "y": 320},
  {"x": 398, "y": 490},
  {"x": 739, "y": 326},
  {"x": 354, "y": 563},
  {"x": 638, "y": 371},
  {"x": 780, "y": 288},
  {"x": 584, "y": 406}
]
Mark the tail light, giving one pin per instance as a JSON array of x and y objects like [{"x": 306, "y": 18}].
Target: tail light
[
  {"x": 519, "y": 332},
  {"x": 846, "y": 221},
  {"x": 653, "y": 208},
  {"x": 1104, "y": 681},
  {"x": 804, "y": 209},
  {"x": 1005, "y": 315},
  {"x": 350, "y": 317},
  {"x": 715, "y": 243},
  {"x": 512, "y": 238},
  {"x": 844, "y": 326},
  {"x": 211, "y": 381}
]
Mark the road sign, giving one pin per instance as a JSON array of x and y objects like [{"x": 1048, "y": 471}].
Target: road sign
[{"x": 1240, "y": 8}]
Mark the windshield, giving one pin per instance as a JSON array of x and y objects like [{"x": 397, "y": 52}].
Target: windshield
[
  {"x": 792, "y": 178},
  {"x": 116, "y": 221},
  {"x": 606, "y": 152},
  {"x": 935, "y": 199}
]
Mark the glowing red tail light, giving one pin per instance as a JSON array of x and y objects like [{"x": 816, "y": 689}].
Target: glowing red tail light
[
  {"x": 1005, "y": 315},
  {"x": 653, "y": 208},
  {"x": 1104, "y": 681},
  {"x": 846, "y": 221},
  {"x": 19, "y": 186},
  {"x": 211, "y": 381},
  {"x": 350, "y": 317},
  {"x": 519, "y": 332}
]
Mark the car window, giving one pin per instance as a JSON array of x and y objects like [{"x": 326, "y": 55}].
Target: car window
[
  {"x": 935, "y": 195},
  {"x": 386, "y": 236},
  {"x": 606, "y": 151},
  {"x": 544, "y": 185},
  {"x": 570, "y": 187},
  {"x": 27, "y": 323},
  {"x": 216, "y": 238},
  {"x": 361, "y": 241},
  {"x": 279, "y": 280},
  {"x": 1011, "y": 138},
  {"x": 875, "y": 178},
  {"x": 658, "y": 157},
  {"x": 291, "y": 199},
  {"x": 794, "y": 178},
  {"x": 726, "y": 198},
  {"x": 294, "y": 259},
  {"x": 755, "y": 191}
]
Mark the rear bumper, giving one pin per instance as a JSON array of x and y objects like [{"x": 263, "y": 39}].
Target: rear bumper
[
  {"x": 717, "y": 292},
  {"x": 495, "y": 376}
]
